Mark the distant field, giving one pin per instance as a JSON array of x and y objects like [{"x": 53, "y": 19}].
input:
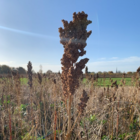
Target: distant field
[
  {"x": 24, "y": 80},
  {"x": 107, "y": 81},
  {"x": 100, "y": 82}
]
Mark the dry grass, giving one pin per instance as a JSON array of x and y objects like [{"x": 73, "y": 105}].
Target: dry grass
[{"x": 110, "y": 112}]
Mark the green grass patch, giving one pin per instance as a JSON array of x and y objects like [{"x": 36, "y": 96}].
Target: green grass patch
[
  {"x": 24, "y": 81},
  {"x": 106, "y": 81}
]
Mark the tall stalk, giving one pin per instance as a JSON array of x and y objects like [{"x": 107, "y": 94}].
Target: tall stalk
[
  {"x": 73, "y": 38},
  {"x": 29, "y": 66}
]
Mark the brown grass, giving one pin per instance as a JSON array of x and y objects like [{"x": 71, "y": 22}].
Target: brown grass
[{"x": 109, "y": 112}]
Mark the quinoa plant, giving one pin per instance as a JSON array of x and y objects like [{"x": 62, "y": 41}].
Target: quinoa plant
[{"x": 73, "y": 38}]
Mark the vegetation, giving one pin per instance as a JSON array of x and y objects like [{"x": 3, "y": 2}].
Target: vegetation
[
  {"x": 62, "y": 106},
  {"x": 108, "y": 81},
  {"x": 4, "y": 69}
]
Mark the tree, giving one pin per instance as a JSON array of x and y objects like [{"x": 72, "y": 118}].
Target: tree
[
  {"x": 21, "y": 70},
  {"x": 105, "y": 72},
  {"x": 4, "y": 69},
  {"x": 129, "y": 72},
  {"x": 92, "y": 73},
  {"x": 110, "y": 72},
  {"x": 49, "y": 72},
  {"x": 99, "y": 72},
  {"x": 0, "y": 69}
]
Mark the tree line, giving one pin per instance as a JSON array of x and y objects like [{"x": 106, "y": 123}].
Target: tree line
[
  {"x": 107, "y": 72},
  {"x": 4, "y": 69}
]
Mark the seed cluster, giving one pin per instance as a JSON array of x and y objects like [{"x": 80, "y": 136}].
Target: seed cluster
[
  {"x": 84, "y": 100},
  {"x": 73, "y": 37},
  {"x": 29, "y": 66}
]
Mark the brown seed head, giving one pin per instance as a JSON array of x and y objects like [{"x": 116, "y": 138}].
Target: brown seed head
[
  {"x": 84, "y": 100},
  {"x": 39, "y": 78},
  {"x": 124, "y": 75},
  {"x": 29, "y": 66},
  {"x": 54, "y": 81},
  {"x": 138, "y": 70},
  {"x": 73, "y": 37},
  {"x": 86, "y": 70}
]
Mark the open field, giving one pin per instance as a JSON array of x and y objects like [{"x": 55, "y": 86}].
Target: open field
[
  {"x": 100, "y": 82},
  {"x": 107, "y": 81},
  {"x": 110, "y": 112}
]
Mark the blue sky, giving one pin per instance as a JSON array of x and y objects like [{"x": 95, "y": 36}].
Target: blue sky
[{"x": 29, "y": 32}]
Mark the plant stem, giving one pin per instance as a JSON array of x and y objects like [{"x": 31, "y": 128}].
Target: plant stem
[{"x": 69, "y": 118}]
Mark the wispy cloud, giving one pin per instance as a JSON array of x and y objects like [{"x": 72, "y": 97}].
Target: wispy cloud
[
  {"x": 114, "y": 58},
  {"x": 103, "y": 58},
  {"x": 28, "y": 33}
]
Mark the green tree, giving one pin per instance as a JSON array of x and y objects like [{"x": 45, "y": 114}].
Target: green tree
[
  {"x": 99, "y": 72},
  {"x": 4, "y": 69},
  {"x": 21, "y": 70},
  {"x": 129, "y": 72},
  {"x": 110, "y": 72}
]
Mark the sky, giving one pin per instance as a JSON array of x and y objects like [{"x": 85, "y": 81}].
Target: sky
[{"x": 29, "y": 32}]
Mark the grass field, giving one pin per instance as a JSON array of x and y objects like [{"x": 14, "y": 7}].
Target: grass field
[
  {"x": 24, "y": 80},
  {"x": 101, "y": 81},
  {"x": 101, "y": 111},
  {"x": 106, "y": 81}
]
